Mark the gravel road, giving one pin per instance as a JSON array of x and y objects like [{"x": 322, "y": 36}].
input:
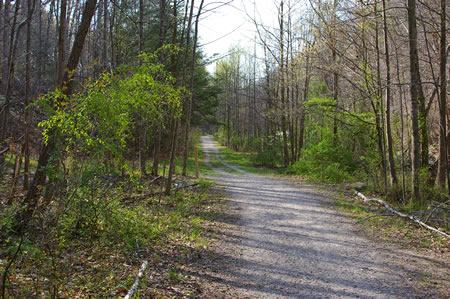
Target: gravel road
[{"x": 287, "y": 242}]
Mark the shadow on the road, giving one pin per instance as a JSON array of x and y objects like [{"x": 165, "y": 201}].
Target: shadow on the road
[{"x": 310, "y": 254}]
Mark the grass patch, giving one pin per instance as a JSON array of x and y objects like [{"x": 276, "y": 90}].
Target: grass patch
[
  {"x": 204, "y": 169},
  {"x": 243, "y": 160}
]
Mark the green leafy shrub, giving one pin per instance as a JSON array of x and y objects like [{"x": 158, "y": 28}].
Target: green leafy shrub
[
  {"x": 326, "y": 161},
  {"x": 94, "y": 212},
  {"x": 269, "y": 156}
]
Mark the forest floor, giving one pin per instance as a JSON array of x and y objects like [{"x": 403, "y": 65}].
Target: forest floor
[{"x": 281, "y": 238}]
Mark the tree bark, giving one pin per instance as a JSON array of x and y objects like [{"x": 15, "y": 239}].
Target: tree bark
[
  {"x": 61, "y": 42},
  {"x": 380, "y": 100},
  {"x": 188, "y": 106},
  {"x": 393, "y": 172},
  {"x": 162, "y": 41},
  {"x": 415, "y": 82},
  {"x": 282, "y": 87},
  {"x": 9, "y": 75},
  {"x": 27, "y": 101},
  {"x": 302, "y": 107},
  {"x": 174, "y": 120},
  {"x": 335, "y": 72},
  {"x": 140, "y": 122},
  {"x": 443, "y": 171}
]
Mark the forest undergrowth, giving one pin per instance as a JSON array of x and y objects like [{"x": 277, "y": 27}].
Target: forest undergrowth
[{"x": 91, "y": 241}]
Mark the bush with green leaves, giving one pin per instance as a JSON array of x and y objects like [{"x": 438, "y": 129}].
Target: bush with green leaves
[
  {"x": 97, "y": 124},
  {"x": 100, "y": 118},
  {"x": 269, "y": 155},
  {"x": 326, "y": 161}
]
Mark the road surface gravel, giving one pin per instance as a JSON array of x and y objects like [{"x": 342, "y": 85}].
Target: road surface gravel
[{"x": 286, "y": 241}]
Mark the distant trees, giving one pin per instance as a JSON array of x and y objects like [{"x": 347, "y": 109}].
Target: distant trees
[{"x": 336, "y": 69}]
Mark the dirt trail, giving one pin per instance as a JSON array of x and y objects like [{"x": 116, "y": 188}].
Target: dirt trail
[{"x": 287, "y": 242}]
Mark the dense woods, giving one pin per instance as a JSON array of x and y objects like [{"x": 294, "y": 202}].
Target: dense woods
[
  {"x": 346, "y": 90},
  {"x": 95, "y": 49},
  {"x": 96, "y": 95},
  {"x": 104, "y": 99}
]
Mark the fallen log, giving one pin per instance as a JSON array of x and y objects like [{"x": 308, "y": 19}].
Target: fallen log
[
  {"x": 136, "y": 282},
  {"x": 412, "y": 218}
]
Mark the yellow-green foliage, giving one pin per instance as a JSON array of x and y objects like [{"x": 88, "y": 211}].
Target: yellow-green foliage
[{"x": 99, "y": 118}]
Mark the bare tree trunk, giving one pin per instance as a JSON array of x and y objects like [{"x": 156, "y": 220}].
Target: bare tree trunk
[
  {"x": 443, "y": 171},
  {"x": 4, "y": 15},
  {"x": 380, "y": 100},
  {"x": 415, "y": 82},
  {"x": 112, "y": 23},
  {"x": 402, "y": 126},
  {"x": 4, "y": 27},
  {"x": 289, "y": 87},
  {"x": 61, "y": 43},
  {"x": 162, "y": 41},
  {"x": 394, "y": 180},
  {"x": 9, "y": 78},
  {"x": 188, "y": 106},
  {"x": 157, "y": 149},
  {"x": 335, "y": 72},
  {"x": 302, "y": 112},
  {"x": 173, "y": 150},
  {"x": 27, "y": 114},
  {"x": 105, "y": 36},
  {"x": 174, "y": 120},
  {"x": 282, "y": 86},
  {"x": 228, "y": 116},
  {"x": 140, "y": 122}
]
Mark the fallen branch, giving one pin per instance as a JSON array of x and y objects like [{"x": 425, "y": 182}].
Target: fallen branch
[
  {"x": 412, "y": 218},
  {"x": 435, "y": 208},
  {"x": 155, "y": 179},
  {"x": 4, "y": 150},
  {"x": 136, "y": 282}
]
